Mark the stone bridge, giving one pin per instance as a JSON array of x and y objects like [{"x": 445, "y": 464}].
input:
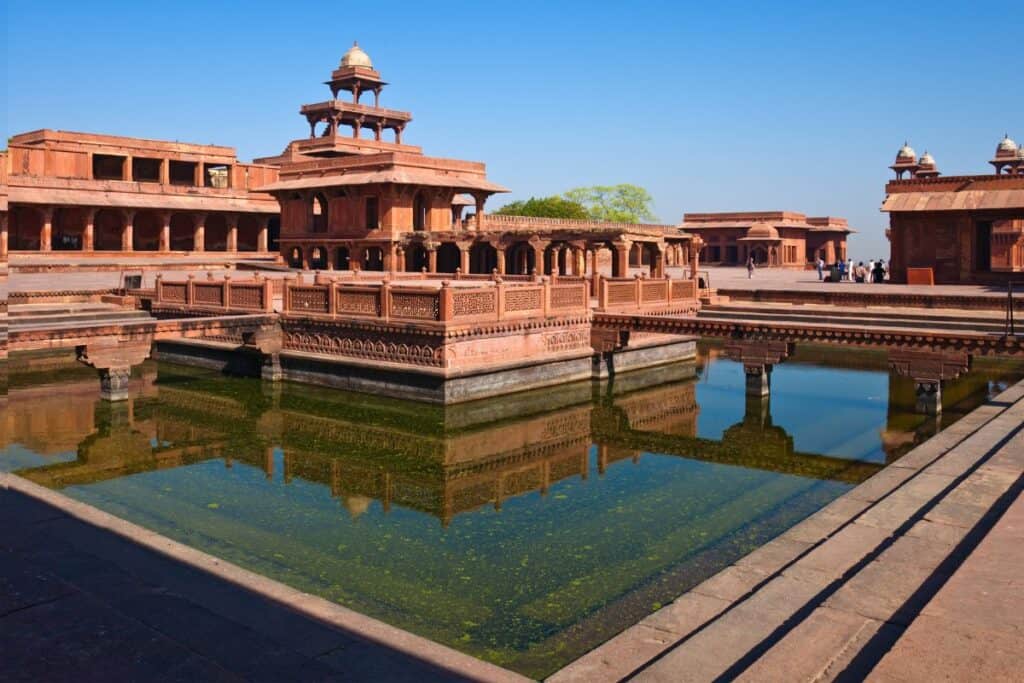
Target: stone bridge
[{"x": 929, "y": 357}]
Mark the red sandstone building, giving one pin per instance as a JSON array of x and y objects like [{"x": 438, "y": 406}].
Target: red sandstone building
[
  {"x": 956, "y": 229},
  {"x": 783, "y": 239}
]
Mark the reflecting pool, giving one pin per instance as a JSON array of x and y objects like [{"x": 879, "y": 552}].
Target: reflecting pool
[{"x": 524, "y": 530}]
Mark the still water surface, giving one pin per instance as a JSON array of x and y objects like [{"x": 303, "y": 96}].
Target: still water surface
[{"x": 525, "y": 530}]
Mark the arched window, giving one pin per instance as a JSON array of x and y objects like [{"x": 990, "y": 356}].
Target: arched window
[
  {"x": 373, "y": 258},
  {"x": 295, "y": 257},
  {"x": 372, "y": 213},
  {"x": 318, "y": 258},
  {"x": 419, "y": 212},
  {"x": 321, "y": 217}
]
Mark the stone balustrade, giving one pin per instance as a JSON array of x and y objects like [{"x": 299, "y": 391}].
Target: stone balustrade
[
  {"x": 445, "y": 302},
  {"x": 643, "y": 294},
  {"x": 252, "y": 296}
]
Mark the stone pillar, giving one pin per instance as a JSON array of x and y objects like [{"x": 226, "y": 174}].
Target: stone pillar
[
  {"x": 232, "y": 220},
  {"x": 263, "y": 236},
  {"x": 658, "y": 265},
  {"x": 165, "y": 231},
  {"x": 165, "y": 172},
  {"x": 621, "y": 257},
  {"x": 759, "y": 380},
  {"x": 46, "y": 229},
  {"x": 929, "y": 396},
  {"x": 128, "y": 231},
  {"x": 197, "y": 176},
  {"x": 464, "y": 259},
  {"x": 695, "y": 244},
  {"x": 479, "y": 212},
  {"x": 3, "y": 236},
  {"x": 431, "y": 260},
  {"x": 114, "y": 383},
  {"x": 88, "y": 234},
  {"x": 500, "y": 251},
  {"x": 199, "y": 232}
]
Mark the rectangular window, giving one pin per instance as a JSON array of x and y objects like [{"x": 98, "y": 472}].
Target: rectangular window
[
  {"x": 107, "y": 167},
  {"x": 145, "y": 170},
  {"x": 217, "y": 175},
  {"x": 181, "y": 172}
]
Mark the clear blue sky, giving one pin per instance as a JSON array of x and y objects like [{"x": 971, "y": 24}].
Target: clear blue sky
[{"x": 711, "y": 106}]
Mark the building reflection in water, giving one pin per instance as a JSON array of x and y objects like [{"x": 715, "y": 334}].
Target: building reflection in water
[{"x": 440, "y": 461}]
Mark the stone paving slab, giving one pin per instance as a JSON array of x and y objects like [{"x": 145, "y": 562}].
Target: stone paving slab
[{"x": 81, "y": 602}]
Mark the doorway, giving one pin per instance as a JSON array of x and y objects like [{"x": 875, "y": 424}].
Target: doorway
[{"x": 983, "y": 247}]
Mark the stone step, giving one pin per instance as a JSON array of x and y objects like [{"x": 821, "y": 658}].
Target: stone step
[
  {"x": 83, "y": 318},
  {"x": 861, "y": 311}
]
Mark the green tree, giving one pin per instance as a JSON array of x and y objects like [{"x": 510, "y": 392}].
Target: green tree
[
  {"x": 544, "y": 207},
  {"x": 624, "y": 203}
]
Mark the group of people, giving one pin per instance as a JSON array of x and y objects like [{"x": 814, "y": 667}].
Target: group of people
[{"x": 873, "y": 271}]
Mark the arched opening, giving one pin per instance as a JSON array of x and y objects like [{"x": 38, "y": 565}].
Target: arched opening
[
  {"x": 419, "y": 212},
  {"x": 760, "y": 255},
  {"x": 318, "y": 258},
  {"x": 449, "y": 257},
  {"x": 295, "y": 257},
  {"x": 321, "y": 216},
  {"x": 107, "y": 229},
  {"x": 67, "y": 229},
  {"x": 146, "y": 231},
  {"x": 372, "y": 210},
  {"x": 216, "y": 233},
  {"x": 25, "y": 224},
  {"x": 373, "y": 258},
  {"x": 182, "y": 232},
  {"x": 483, "y": 258},
  {"x": 248, "y": 233},
  {"x": 416, "y": 258},
  {"x": 634, "y": 255},
  {"x": 520, "y": 259},
  {"x": 342, "y": 259}
]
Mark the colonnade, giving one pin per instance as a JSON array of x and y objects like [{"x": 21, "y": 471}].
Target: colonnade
[{"x": 87, "y": 229}]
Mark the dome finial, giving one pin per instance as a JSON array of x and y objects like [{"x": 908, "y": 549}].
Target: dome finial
[{"x": 356, "y": 57}]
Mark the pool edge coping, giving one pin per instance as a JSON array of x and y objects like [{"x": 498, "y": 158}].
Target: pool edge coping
[{"x": 307, "y": 604}]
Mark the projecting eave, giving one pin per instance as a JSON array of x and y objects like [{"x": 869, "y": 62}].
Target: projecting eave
[
  {"x": 386, "y": 177},
  {"x": 966, "y": 200}
]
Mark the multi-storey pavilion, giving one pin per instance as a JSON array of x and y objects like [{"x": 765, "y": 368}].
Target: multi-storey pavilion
[
  {"x": 355, "y": 201},
  {"x": 95, "y": 194},
  {"x": 956, "y": 229},
  {"x": 772, "y": 238}
]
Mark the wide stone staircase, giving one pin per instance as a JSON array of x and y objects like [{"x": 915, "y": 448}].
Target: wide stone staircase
[{"x": 32, "y": 317}]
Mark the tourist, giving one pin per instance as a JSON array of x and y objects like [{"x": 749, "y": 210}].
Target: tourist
[
  {"x": 841, "y": 266},
  {"x": 878, "y": 272},
  {"x": 750, "y": 267},
  {"x": 885, "y": 270},
  {"x": 849, "y": 270},
  {"x": 871, "y": 269},
  {"x": 860, "y": 273},
  {"x": 821, "y": 268}
]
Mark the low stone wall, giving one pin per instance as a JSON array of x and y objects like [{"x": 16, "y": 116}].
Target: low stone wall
[{"x": 877, "y": 297}]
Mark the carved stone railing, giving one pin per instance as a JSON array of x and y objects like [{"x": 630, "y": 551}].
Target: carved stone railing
[
  {"x": 643, "y": 294},
  {"x": 444, "y": 302},
  {"x": 255, "y": 296}
]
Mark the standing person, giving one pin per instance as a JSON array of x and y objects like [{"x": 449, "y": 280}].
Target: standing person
[
  {"x": 885, "y": 270},
  {"x": 871, "y": 270},
  {"x": 821, "y": 268},
  {"x": 879, "y": 272},
  {"x": 750, "y": 267},
  {"x": 842, "y": 270},
  {"x": 860, "y": 272},
  {"x": 849, "y": 269}
]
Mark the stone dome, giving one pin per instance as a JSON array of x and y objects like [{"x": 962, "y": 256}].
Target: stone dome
[
  {"x": 762, "y": 231},
  {"x": 356, "y": 57},
  {"x": 927, "y": 160},
  {"x": 906, "y": 153},
  {"x": 1006, "y": 145}
]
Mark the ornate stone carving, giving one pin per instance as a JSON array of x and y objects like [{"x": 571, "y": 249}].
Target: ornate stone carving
[
  {"x": 523, "y": 299},
  {"x": 418, "y": 306},
  {"x": 473, "y": 303}
]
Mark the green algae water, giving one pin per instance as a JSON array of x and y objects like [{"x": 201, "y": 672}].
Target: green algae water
[{"x": 524, "y": 530}]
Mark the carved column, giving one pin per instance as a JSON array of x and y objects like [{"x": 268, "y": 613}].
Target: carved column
[
  {"x": 263, "y": 237},
  {"x": 480, "y": 198},
  {"x": 46, "y": 229},
  {"x": 695, "y": 245},
  {"x": 199, "y": 232},
  {"x": 758, "y": 357},
  {"x": 431, "y": 259},
  {"x": 165, "y": 231},
  {"x": 464, "y": 259},
  {"x": 88, "y": 233},
  {"x": 621, "y": 257},
  {"x": 232, "y": 221},
  {"x": 500, "y": 251},
  {"x": 128, "y": 231},
  {"x": 114, "y": 383},
  {"x": 928, "y": 369}
]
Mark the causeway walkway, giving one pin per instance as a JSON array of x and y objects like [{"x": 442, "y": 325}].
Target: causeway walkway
[{"x": 914, "y": 575}]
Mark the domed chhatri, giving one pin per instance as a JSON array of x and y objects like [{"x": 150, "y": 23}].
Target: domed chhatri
[
  {"x": 1006, "y": 146},
  {"x": 926, "y": 167},
  {"x": 356, "y": 57},
  {"x": 906, "y": 161},
  {"x": 906, "y": 153},
  {"x": 762, "y": 231}
]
